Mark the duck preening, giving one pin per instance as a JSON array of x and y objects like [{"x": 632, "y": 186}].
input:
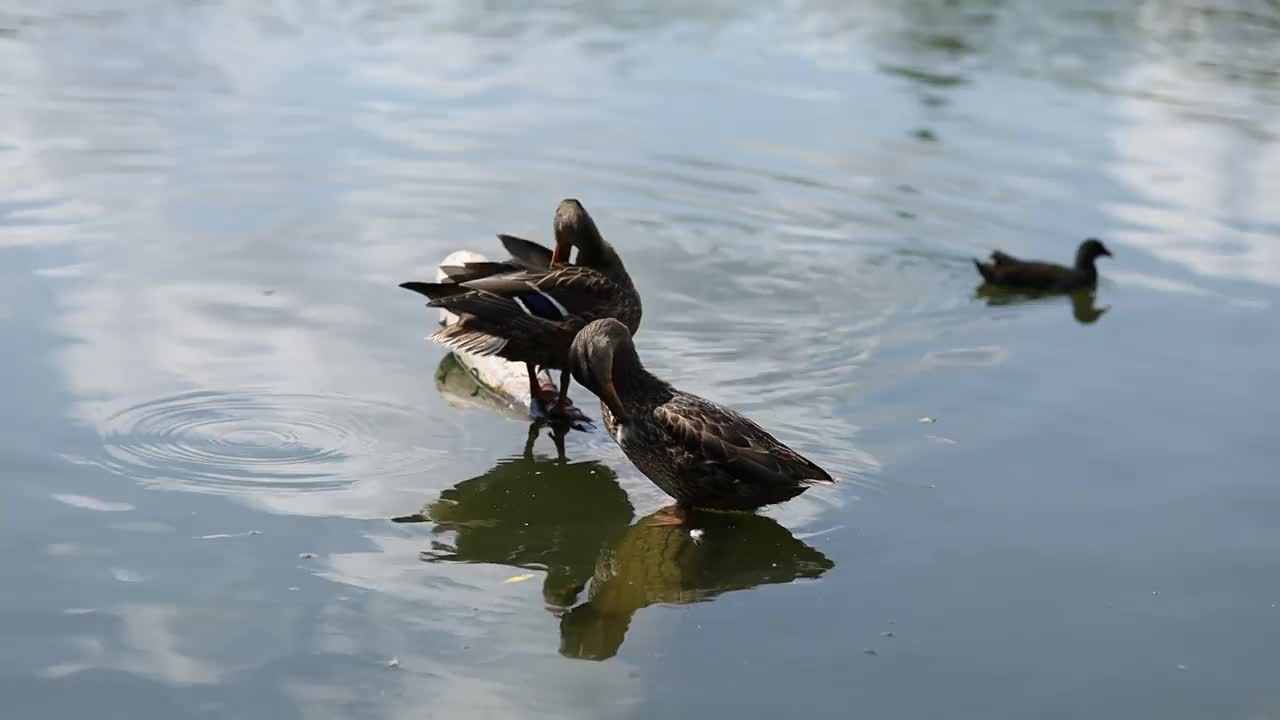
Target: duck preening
[
  {"x": 530, "y": 308},
  {"x": 1008, "y": 271},
  {"x": 702, "y": 454}
]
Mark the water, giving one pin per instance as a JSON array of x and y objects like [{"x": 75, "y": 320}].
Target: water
[{"x": 217, "y": 401}]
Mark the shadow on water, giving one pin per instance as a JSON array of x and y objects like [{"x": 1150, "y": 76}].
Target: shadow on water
[
  {"x": 1084, "y": 307},
  {"x": 572, "y": 520},
  {"x": 463, "y": 387},
  {"x": 460, "y": 388},
  {"x": 533, "y": 513},
  {"x": 665, "y": 564}
]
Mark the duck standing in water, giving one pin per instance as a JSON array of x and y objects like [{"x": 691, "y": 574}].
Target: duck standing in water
[
  {"x": 520, "y": 311},
  {"x": 1010, "y": 272},
  {"x": 700, "y": 453}
]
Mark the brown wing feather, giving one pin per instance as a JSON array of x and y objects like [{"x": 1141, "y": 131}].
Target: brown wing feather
[
  {"x": 580, "y": 291},
  {"x": 460, "y": 336},
  {"x": 527, "y": 252},
  {"x": 476, "y": 270},
  {"x": 720, "y": 436}
]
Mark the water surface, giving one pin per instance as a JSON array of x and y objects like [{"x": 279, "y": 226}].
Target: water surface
[{"x": 234, "y": 487}]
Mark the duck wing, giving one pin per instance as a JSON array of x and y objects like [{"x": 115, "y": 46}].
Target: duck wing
[
  {"x": 477, "y": 270},
  {"x": 529, "y": 254},
  {"x": 565, "y": 293},
  {"x": 722, "y": 439},
  {"x": 525, "y": 255},
  {"x": 568, "y": 292}
]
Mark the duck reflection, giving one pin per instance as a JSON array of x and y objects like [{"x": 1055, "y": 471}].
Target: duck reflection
[
  {"x": 713, "y": 553},
  {"x": 534, "y": 513},
  {"x": 573, "y": 521},
  {"x": 486, "y": 383},
  {"x": 1084, "y": 306}
]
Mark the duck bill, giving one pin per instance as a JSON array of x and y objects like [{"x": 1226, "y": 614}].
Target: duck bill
[
  {"x": 560, "y": 254},
  {"x": 613, "y": 402}
]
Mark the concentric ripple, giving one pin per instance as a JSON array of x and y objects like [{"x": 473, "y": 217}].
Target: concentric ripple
[{"x": 246, "y": 442}]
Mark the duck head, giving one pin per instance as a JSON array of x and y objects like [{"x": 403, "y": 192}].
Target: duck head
[
  {"x": 1089, "y": 251},
  {"x": 597, "y": 350},
  {"x": 574, "y": 228}
]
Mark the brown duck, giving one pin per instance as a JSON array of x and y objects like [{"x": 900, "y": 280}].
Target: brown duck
[
  {"x": 702, "y": 454},
  {"x": 1008, "y": 271},
  {"x": 522, "y": 311}
]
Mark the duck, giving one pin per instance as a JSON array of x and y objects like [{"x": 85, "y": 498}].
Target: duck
[
  {"x": 1008, "y": 271},
  {"x": 704, "y": 455},
  {"x": 525, "y": 312}
]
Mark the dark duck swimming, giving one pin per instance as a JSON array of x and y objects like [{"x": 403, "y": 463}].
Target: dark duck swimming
[
  {"x": 529, "y": 309},
  {"x": 1007, "y": 271},
  {"x": 702, "y": 454}
]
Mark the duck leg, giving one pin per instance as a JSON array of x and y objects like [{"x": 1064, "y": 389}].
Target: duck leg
[
  {"x": 534, "y": 428},
  {"x": 563, "y": 411},
  {"x": 558, "y": 432},
  {"x": 546, "y": 403},
  {"x": 562, "y": 401},
  {"x": 539, "y": 396},
  {"x": 535, "y": 387}
]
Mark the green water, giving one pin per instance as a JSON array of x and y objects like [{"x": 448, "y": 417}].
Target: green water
[{"x": 232, "y": 487}]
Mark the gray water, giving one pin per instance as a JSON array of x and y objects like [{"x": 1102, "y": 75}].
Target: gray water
[{"x": 216, "y": 400}]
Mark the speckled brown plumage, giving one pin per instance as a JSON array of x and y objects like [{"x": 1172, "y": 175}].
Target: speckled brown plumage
[{"x": 702, "y": 454}]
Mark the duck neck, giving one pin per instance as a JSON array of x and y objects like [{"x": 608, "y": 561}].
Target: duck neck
[
  {"x": 633, "y": 381},
  {"x": 598, "y": 254},
  {"x": 1085, "y": 266},
  {"x": 1084, "y": 261}
]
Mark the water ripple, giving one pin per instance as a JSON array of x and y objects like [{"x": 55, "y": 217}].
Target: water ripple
[{"x": 239, "y": 442}]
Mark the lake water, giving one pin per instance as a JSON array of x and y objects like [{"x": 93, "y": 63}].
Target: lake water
[{"x": 216, "y": 400}]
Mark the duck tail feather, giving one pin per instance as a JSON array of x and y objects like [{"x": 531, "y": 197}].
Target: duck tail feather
[
  {"x": 983, "y": 269},
  {"x": 458, "y": 337},
  {"x": 435, "y": 291},
  {"x": 527, "y": 252}
]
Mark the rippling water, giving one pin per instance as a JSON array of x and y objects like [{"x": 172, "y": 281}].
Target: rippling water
[
  {"x": 260, "y": 441},
  {"x": 218, "y": 402}
]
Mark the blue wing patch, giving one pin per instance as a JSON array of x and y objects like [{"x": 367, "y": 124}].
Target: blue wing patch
[{"x": 541, "y": 305}]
